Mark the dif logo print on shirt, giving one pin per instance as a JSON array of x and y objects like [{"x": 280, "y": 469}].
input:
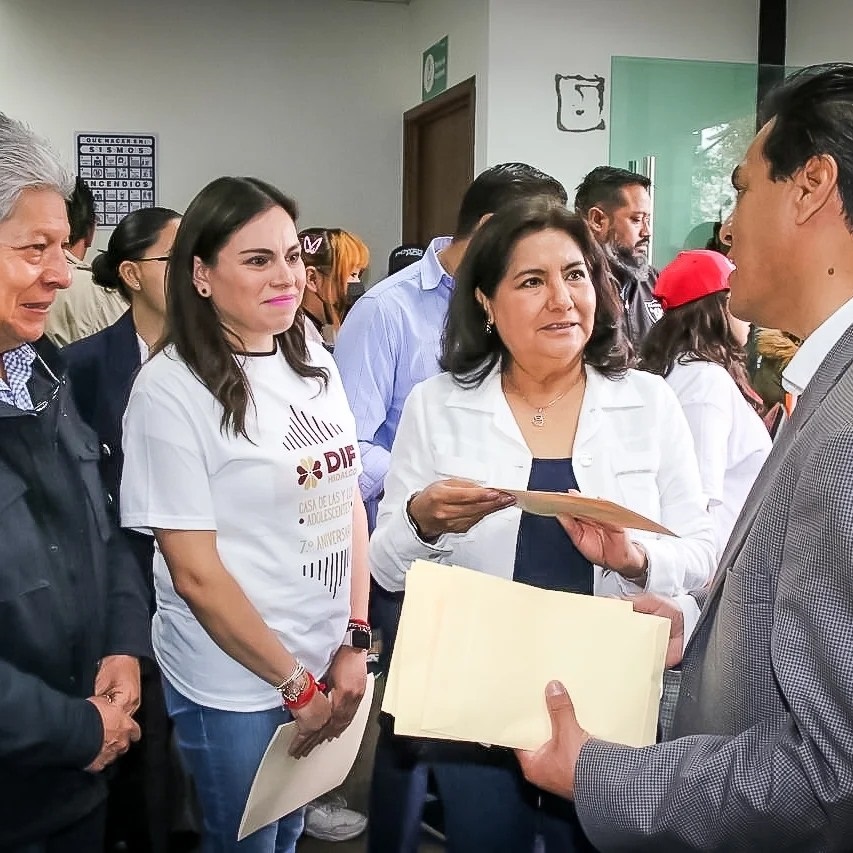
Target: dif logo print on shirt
[
  {"x": 306, "y": 431},
  {"x": 325, "y": 512},
  {"x": 310, "y": 471}
]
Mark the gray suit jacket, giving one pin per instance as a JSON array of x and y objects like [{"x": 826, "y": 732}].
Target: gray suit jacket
[{"x": 763, "y": 752}]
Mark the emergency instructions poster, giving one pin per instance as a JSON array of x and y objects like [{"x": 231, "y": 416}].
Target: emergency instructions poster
[{"x": 120, "y": 169}]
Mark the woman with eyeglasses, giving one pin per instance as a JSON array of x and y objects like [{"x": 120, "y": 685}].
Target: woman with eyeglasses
[
  {"x": 102, "y": 368},
  {"x": 334, "y": 261}
]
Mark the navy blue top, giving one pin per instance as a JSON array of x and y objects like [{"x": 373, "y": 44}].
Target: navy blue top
[{"x": 545, "y": 556}]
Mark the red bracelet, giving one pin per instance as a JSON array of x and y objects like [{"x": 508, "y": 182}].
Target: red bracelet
[
  {"x": 305, "y": 696},
  {"x": 360, "y": 622}
]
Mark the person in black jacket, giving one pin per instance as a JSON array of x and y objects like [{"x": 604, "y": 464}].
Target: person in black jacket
[
  {"x": 73, "y": 616},
  {"x": 618, "y": 209},
  {"x": 148, "y": 782}
]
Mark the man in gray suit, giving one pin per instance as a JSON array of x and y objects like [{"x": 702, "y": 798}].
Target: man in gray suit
[{"x": 762, "y": 755}]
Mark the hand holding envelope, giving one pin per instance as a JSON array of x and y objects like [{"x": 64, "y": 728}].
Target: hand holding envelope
[
  {"x": 454, "y": 506},
  {"x": 284, "y": 783},
  {"x": 579, "y": 506},
  {"x": 474, "y": 653}
]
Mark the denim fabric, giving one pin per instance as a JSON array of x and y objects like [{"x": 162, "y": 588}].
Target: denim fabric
[{"x": 223, "y": 750}]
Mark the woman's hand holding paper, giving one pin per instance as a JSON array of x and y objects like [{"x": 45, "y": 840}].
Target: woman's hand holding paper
[
  {"x": 454, "y": 506},
  {"x": 608, "y": 546}
]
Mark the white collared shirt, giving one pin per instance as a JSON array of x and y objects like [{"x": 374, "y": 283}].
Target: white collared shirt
[
  {"x": 815, "y": 348},
  {"x": 144, "y": 349}
]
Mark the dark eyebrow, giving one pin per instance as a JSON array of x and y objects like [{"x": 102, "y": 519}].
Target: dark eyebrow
[
  {"x": 269, "y": 252},
  {"x": 536, "y": 271},
  {"x": 531, "y": 271}
]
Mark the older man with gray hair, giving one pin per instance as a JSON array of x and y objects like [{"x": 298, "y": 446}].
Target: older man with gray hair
[{"x": 73, "y": 613}]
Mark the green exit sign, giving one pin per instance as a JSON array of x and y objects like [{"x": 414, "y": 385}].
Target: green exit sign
[{"x": 434, "y": 70}]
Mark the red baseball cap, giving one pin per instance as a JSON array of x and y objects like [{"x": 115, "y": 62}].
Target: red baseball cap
[{"x": 691, "y": 276}]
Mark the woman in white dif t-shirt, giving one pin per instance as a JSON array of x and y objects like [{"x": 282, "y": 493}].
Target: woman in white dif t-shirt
[
  {"x": 698, "y": 346},
  {"x": 241, "y": 457}
]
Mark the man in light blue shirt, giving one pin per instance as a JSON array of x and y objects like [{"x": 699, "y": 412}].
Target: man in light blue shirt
[{"x": 390, "y": 341}]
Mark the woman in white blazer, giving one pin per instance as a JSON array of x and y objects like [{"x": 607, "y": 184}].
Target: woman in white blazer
[{"x": 537, "y": 393}]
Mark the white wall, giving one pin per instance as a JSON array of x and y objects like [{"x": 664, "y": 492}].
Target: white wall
[
  {"x": 819, "y": 31},
  {"x": 531, "y": 42},
  {"x": 466, "y": 23},
  {"x": 308, "y": 95}
]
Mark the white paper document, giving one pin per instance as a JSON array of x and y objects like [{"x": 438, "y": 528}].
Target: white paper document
[{"x": 284, "y": 784}]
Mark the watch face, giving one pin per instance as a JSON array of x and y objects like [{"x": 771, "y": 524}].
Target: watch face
[{"x": 360, "y": 639}]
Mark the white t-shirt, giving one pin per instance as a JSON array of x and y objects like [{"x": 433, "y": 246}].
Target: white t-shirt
[
  {"x": 281, "y": 506},
  {"x": 730, "y": 438}
]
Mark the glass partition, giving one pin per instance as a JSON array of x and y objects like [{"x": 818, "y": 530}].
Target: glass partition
[{"x": 687, "y": 124}]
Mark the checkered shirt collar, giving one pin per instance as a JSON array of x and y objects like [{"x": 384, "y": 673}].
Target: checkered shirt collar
[{"x": 18, "y": 364}]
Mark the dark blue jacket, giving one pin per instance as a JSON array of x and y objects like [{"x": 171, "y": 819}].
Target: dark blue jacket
[
  {"x": 102, "y": 369},
  {"x": 56, "y": 624}
]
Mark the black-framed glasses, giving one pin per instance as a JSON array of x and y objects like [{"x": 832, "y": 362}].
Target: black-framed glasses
[{"x": 164, "y": 258}]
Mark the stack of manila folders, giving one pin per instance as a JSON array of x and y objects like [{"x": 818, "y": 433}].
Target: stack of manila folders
[{"x": 474, "y": 652}]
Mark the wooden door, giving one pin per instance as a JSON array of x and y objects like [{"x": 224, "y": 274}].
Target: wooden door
[{"x": 438, "y": 162}]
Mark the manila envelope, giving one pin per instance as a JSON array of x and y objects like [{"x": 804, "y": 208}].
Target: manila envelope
[
  {"x": 474, "y": 653},
  {"x": 427, "y": 587},
  {"x": 284, "y": 784},
  {"x": 581, "y": 506},
  {"x": 610, "y": 659}
]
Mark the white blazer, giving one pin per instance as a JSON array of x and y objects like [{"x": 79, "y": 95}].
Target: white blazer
[{"x": 632, "y": 446}]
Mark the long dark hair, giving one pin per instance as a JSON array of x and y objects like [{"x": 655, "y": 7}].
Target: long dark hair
[
  {"x": 132, "y": 238},
  {"x": 698, "y": 331},
  {"x": 469, "y": 353},
  {"x": 221, "y": 209}
]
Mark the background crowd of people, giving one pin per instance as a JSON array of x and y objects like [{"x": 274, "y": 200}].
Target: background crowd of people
[{"x": 219, "y": 456}]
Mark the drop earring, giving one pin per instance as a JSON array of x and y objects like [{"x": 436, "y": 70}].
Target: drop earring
[{"x": 488, "y": 326}]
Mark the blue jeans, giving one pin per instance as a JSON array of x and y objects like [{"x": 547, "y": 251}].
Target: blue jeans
[{"x": 223, "y": 750}]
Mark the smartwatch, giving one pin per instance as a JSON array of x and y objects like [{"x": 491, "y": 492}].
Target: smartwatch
[{"x": 359, "y": 636}]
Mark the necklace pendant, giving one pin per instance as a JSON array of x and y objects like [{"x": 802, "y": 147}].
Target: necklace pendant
[{"x": 539, "y": 419}]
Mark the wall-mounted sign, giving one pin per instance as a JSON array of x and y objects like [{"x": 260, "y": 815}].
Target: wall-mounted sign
[
  {"x": 580, "y": 102},
  {"x": 121, "y": 169},
  {"x": 434, "y": 70}
]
